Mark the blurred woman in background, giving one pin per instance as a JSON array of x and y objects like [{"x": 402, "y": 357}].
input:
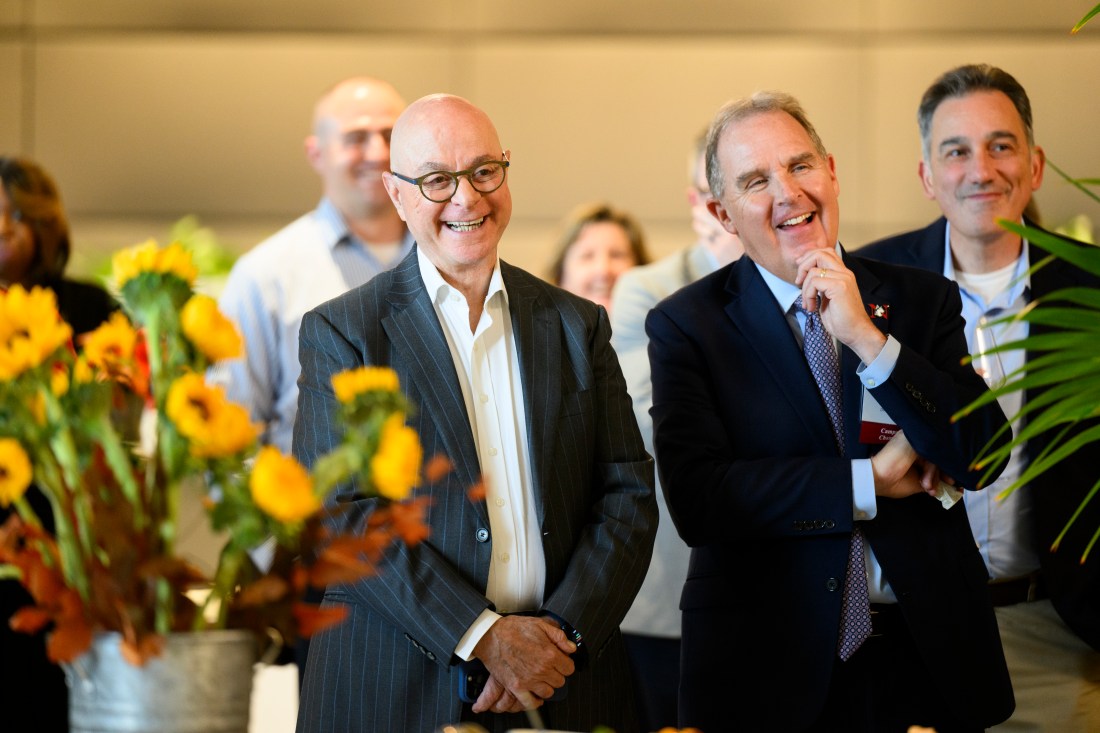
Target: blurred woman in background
[
  {"x": 34, "y": 250},
  {"x": 597, "y": 245}
]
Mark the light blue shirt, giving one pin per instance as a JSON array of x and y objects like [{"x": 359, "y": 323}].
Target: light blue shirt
[
  {"x": 269, "y": 290},
  {"x": 864, "y": 505},
  {"x": 1002, "y": 526}
]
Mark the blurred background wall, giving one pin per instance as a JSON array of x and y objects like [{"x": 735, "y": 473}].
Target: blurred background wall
[{"x": 148, "y": 110}]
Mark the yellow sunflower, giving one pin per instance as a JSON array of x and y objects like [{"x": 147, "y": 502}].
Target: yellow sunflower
[
  {"x": 30, "y": 329},
  {"x": 395, "y": 467},
  {"x": 215, "y": 426},
  {"x": 210, "y": 331},
  {"x": 15, "y": 471},
  {"x": 281, "y": 487},
  {"x": 350, "y": 383},
  {"x": 148, "y": 257},
  {"x": 112, "y": 343}
]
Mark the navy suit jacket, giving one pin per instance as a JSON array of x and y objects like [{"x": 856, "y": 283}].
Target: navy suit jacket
[
  {"x": 757, "y": 487},
  {"x": 389, "y": 666},
  {"x": 1074, "y": 588}
]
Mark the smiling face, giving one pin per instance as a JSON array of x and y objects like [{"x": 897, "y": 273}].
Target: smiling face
[
  {"x": 592, "y": 264},
  {"x": 350, "y": 145},
  {"x": 444, "y": 133},
  {"x": 980, "y": 167},
  {"x": 780, "y": 195}
]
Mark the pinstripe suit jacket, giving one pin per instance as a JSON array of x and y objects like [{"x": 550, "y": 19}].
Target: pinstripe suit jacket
[{"x": 389, "y": 665}]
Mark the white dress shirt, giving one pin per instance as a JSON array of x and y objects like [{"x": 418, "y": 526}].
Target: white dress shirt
[{"x": 487, "y": 363}]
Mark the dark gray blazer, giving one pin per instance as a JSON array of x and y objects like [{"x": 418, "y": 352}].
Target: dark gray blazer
[
  {"x": 389, "y": 665},
  {"x": 1074, "y": 588}
]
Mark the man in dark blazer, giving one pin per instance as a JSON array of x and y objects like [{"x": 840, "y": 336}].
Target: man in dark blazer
[
  {"x": 980, "y": 164},
  {"x": 516, "y": 383},
  {"x": 774, "y": 496}
]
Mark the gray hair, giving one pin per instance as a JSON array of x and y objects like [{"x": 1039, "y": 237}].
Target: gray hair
[
  {"x": 740, "y": 109},
  {"x": 964, "y": 80}
]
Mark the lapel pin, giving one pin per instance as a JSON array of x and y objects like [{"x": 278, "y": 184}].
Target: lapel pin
[{"x": 879, "y": 311}]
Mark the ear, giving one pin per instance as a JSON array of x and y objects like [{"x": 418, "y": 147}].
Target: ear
[
  {"x": 1038, "y": 165},
  {"x": 832, "y": 173},
  {"x": 924, "y": 172},
  {"x": 719, "y": 211},
  {"x": 313, "y": 152},
  {"x": 392, "y": 185}
]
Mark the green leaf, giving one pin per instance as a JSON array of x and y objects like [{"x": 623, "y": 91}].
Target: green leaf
[
  {"x": 1085, "y": 257},
  {"x": 1088, "y": 16}
]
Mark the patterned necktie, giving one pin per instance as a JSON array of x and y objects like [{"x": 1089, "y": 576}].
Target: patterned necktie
[{"x": 855, "y": 610}]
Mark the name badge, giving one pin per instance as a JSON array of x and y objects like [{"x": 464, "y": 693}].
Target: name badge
[{"x": 875, "y": 425}]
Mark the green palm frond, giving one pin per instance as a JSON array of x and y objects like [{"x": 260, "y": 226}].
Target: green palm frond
[{"x": 1065, "y": 363}]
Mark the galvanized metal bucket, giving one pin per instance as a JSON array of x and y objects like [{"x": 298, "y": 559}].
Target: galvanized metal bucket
[{"x": 202, "y": 683}]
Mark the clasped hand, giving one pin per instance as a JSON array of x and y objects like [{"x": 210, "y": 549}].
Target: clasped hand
[
  {"x": 899, "y": 472},
  {"x": 527, "y": 658}
]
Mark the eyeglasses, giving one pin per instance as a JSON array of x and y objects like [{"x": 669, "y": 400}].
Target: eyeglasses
[{"x": 441, "y": 186}]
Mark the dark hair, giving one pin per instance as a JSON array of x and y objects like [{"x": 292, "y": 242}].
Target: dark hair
[
  {"x": 739, "y": 109},
  {"x": 587, "y": 214},
  {"x": 963, "y": 80},
  {"x": 37, "y": 203}
]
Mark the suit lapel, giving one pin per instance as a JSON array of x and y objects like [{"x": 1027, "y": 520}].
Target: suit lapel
[
  {"x": 417, "y": 337},
  {"x": 754, "y": 311},
  {"x": 851, "y": 386},
  {"x": 537, "y": 330}
]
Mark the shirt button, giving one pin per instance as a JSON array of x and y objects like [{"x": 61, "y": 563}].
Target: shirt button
[
  {"x": 870, "y": 383},
  {"x": 484, "y": 398},
  {"x": 492, "y": 451},
  {"x": 482, "y": 535},
  {"x": 499, "y": 502},
  {"x": 861, "y": 514},
  {"x": 505, "y": 557}
]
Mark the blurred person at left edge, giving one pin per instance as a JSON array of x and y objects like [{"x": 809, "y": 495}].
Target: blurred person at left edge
[{"x": 34, "y": 250}]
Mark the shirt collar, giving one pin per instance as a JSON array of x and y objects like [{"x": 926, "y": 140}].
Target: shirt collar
[
  {"x": 785, "y": 293},
  {"x": 438, "y": 288},
  {"x": 1021, "y": 277},
  {"x": 332, "y": 223}
]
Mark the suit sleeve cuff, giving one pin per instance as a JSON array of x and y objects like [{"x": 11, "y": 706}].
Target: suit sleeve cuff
[
  {"x": 879, "y": 370},
  {"x": 465, "y": 648}
]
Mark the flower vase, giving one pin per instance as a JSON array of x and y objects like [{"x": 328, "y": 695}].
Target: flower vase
[{"x": 201, "y": 683}]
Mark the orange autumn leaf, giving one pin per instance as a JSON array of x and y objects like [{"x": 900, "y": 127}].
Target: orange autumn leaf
[
  {"x": 69, "y": 639},
  {"x": 30, "y": 619},
  {"x": 147, "y": 647},
  {"x": 437, "y": 467},
  {"x": 265, "y": 590},
  {"x": 408, "y": 520},
  {"x": 477, "y": 492},
  {"x": 312, "y": 619}
]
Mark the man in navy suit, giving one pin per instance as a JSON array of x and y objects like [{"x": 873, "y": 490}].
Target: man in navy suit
[
  {"x": 775, "y": 482},
  {"x": 515, "y": 382},
  {"x": 981, "y": 164}
]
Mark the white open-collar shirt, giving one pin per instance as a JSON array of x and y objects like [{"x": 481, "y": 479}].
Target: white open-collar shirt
[{"x": 487, "y": 363}]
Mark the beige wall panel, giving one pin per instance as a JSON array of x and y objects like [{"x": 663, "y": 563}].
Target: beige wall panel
[
  {"x": 255, "y": 15},
  {"x": 211, "y": 125},
  {"x": 1060, "y": 77},
  {"x": 11, "y": 84},
  {"x": 982, "y": 16},
  {"x": 662, "y": 16},
  {"x": 11, "y": 14},
  {"x": 589, "y": 119}
]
